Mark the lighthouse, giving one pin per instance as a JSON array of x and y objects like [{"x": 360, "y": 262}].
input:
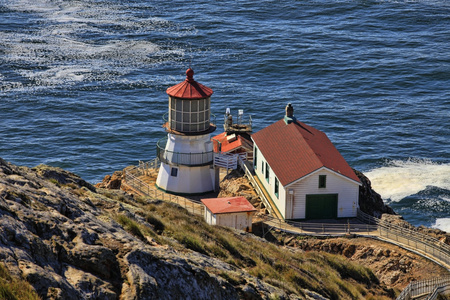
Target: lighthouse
[{"x": 186, "y": 154}]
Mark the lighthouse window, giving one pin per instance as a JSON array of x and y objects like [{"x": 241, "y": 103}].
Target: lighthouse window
[
  {"x": 194, "y": 105},
  {"x": 174, "y": 172},
  {"x": 201, "y": 116},
  {"x": 201, "y": 105},
  {"x": 179, "y": 105}
]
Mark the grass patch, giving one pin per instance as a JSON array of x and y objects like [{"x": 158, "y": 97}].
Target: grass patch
[
  {"x": 15, "y": 289},
  {"x": 158, "y": 225},
  {"x": 192, "y": 243},
  {"x": 54, "y": 181},
  {"x": 130, "y": 225},
  {"x": 231, "y": 278},
  {"x": 330, "y": 275}
]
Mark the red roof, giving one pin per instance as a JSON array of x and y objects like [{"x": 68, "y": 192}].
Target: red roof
[
  {"x": 189, "y": 89},
  {"x": 295, "y": 150},
  {"x": 229, "y": 144},
  {"x": 228, "y": 205}
]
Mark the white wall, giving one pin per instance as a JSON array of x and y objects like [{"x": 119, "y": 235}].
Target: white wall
[
  {"x": 242, "y": 220},
  {"x": 210, "y": 218},
  {"x": 279, "y": 201},
  {"x": 348, "y": 193},
  {"x": 189, "y": 180}
]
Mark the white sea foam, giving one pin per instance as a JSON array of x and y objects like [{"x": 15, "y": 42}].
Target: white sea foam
[
  {"x": 55, "y": 52},
  {"x": 442, "y": 224},
  {"x": 399, "y": 179}
]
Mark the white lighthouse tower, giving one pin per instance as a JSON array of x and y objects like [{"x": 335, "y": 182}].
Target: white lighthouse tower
[{"x": 186, "y": 154}]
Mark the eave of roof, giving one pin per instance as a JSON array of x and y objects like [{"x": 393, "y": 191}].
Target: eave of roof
[
  {"x": 189, "y": 89},
  {"x": 228, "y": 205}
]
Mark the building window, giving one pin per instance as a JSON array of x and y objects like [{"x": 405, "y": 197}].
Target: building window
[
  {"x": 267, "y": 172},
  {"x": 262, "y": 167},
  {"x": 276, "y": 187},
  {"x": 174, "y": 172},
  {"x": 255, "y": 158},
  {"x": 322, "y": 181}
]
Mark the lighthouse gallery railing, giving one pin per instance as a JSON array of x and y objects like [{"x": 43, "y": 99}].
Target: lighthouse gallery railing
[{"x": 181, "y": 158}]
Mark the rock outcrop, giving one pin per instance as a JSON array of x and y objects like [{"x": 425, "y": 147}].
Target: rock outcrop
[
  {"x": 370, "y": 201},
  {"x": 58, "y": 232},
  {"x": 112, "y": 182}
]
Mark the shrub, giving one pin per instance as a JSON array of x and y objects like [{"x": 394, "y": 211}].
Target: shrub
[
  {"x": 192, "y": 243},
  {"x": 158, "y": 225},
  {"x": 130, "y": 225}
]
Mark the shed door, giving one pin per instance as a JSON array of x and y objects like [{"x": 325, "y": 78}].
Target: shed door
[{"x": 321, "y": 206}]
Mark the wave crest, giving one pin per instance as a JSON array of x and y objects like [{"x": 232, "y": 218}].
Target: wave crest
[{"x": 399, "y": 179}]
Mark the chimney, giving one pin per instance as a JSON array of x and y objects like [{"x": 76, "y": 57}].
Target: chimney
[{"x": 289, "y": 117}]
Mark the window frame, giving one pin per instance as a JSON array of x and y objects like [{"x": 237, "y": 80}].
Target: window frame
[
  {"x": 277, "y": 187},
  {"x": 322, "y": 181}
]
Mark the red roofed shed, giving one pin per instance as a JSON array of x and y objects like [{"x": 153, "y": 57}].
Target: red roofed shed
[{"x": 235, "y": 212}]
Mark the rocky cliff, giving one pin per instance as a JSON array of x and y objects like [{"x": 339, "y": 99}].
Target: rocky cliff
[
  {"x": 370, "y": 201},
  {"x": 59, "y": 233}
]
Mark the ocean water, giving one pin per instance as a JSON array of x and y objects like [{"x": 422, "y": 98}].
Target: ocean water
[{"x": 82, "y": 83}]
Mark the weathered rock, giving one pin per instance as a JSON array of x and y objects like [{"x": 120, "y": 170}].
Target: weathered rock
[
  {"x": 59, "y": 233},
  {"x": 370, "y": 201},
  {"x": 113, "y": 182}
]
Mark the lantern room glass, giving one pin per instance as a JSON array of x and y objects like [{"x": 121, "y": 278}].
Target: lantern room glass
[{"x": 189, "y": 115}]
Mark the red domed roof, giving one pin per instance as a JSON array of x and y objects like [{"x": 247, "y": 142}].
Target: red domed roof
[{"x": 189, "y": 89}]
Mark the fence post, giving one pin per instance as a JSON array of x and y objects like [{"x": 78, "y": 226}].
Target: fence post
[{"x": 348, "y": 223}]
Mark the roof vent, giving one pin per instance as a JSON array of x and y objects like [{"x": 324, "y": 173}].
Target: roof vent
[{"x": 289, "y": 117}]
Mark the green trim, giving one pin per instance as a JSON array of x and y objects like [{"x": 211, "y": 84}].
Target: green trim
[{"x": 182, "y": 194}]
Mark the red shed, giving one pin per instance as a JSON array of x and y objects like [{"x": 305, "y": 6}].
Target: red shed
[{"x": 235, "y": 212}]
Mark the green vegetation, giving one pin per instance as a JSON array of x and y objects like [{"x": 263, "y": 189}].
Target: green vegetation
[
  {"x": 130, "y": 225},
  {"x": 54, "y": 181},
  {"x": 330, "y": 275},
  {"x": 15, "y": 289}
]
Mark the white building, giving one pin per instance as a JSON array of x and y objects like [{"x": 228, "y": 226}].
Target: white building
[
  {"x": 304, "y": 174},
  {"x": 186, "y": 154},
  {"x": 235, "y": 212}
]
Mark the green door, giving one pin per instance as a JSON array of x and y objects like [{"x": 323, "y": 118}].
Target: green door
[{"x": 321, "y": 206}]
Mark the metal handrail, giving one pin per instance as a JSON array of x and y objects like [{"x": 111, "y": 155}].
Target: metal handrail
[{"x": 182, "y": 158}]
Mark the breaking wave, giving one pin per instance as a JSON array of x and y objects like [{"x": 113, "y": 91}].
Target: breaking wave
[
  {"x": 442, "y": 224},
  {"x": 399, "y": 179}
]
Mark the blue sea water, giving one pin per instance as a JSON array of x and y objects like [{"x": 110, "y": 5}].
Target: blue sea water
[{"x": 82, "y": 83}]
